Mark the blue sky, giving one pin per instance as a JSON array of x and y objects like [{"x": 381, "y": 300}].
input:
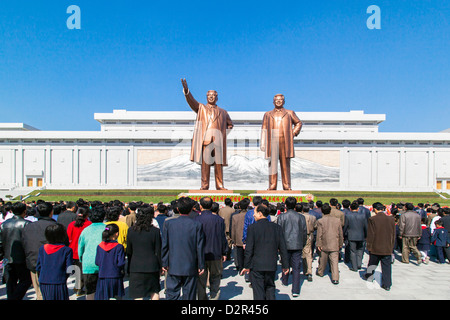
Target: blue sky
[{"x": 132, "y": 54}]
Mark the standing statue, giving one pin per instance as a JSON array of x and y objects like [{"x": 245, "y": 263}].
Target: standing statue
[
  {"x": 279, "y": 128},
  {"x": 209, "y": 143}
]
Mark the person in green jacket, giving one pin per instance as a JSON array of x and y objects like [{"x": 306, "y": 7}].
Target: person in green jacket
[{"x": 90, "y": 238}]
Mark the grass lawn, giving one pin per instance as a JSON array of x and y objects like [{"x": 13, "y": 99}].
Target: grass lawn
[{"x": 155, "y": 196}]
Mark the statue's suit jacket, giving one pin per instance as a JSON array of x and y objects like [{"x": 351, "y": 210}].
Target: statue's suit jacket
[
  {"x": 220, "y": 122},
  {"x": 289, "y": 120}
]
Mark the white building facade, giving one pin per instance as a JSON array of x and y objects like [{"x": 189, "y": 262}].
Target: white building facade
[{"x": 150, "y": 150}]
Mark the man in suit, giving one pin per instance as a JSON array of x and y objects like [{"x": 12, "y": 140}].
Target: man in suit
[
  {"x": 279, "y": 128},
  {"x": 182, "y": 253},
  {"x": 34, "y": 237},
  {"x": 265, "y": 240},
  {"x": 250, "y": 217},
  {"x": 316, "y": 211},
  {"x": 215, "y": 250},
  {"x": 311, "y": 227},
  {"x": 346, "y": 209},
  {"x": 69, "y": 215},
  {"x": 295, "y": 233},
  {"x": 380, "y": 244},
  {"x": 410, "y": 227},
  {"x": 335, "y": 212},
  {"x": 236, "y": 232},
  {"x": 362, "y": 208},
  {"x": 16, "y": 275},
  {"x": 355, "y": 231},
  {"x": 226, "y": 213},
  {"x": 329, "y": 242},
  {"x": 209, "y": 143}
]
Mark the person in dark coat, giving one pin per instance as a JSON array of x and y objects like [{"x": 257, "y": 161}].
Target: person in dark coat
[
  {"x": 380, "y": 244},
  {"x": 144, "y": 256},
  {"x": 295, "y": 234},
  {"x": 15, "y": 272},
  {"x": 316, "y": 211},
  {"x": 424, "y": 243},
  {"x": 446, "y": 224},
  {"x": 52, "y": 265},
  {"x": 34, "y": 238},
  {"x": 441, "y": 240},
  {"x": 182, "y": 253},
  {"x": 162, "y": 215},
  {"x": 69, "y": 215},
  {"x": 216, "y": 248},
  {"x": 110, "y": 259},
  {"x": 362, "y": 208},
  {"x": 355, "y": 231},
  {"x": 265, "y": 240}
]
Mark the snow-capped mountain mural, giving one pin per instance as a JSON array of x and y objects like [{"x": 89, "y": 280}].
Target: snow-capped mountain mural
[{"x": 243, "y": 172}]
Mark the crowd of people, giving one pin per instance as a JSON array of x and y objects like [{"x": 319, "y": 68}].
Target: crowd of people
[{"x": 185, "y": 243}]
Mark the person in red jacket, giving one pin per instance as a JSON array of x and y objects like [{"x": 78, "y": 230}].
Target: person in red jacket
[{"x": 74, "y": 230}]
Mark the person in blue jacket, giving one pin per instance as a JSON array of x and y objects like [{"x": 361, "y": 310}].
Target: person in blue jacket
[
  {"x": 54, "y": 259},
  {"x": 441, "y": 240},
  {"x": 424, "y": 243},
  {"x": 110, "y": 259},
  {"x": 183, "y": 253}
]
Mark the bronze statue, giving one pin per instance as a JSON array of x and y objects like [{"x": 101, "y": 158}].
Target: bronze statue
[
  {"x": 209, "y": 143},
  {"x": 279, "y": 128}
]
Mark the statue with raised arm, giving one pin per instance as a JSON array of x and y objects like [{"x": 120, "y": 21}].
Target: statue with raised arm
[
  {"x": 209, "y": 143},
  {"x": 279, "y": 128}
]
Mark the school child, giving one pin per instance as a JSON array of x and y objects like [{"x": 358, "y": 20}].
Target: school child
[
  {"x": 110, "y": 259},
  {"x": 54, "y": 258},
  {"x": 441, "y": 240},
  {"x": 424, "y": 243}
]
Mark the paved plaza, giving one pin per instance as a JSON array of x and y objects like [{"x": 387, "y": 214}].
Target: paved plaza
[{"x": 410, "y": 282}]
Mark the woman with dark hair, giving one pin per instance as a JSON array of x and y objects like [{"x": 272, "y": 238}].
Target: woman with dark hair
[
  {"x": 53, "y": 261},
  {"x": 110, "y": 259},
  {"x": 144, "y": 256},
  {"x": 74, "y": 231}
]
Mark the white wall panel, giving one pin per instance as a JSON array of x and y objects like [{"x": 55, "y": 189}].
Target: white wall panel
[
  {"x": 33, "y": 162},
  {"x": 117, "y": 167},
  {"x": 61, "y": 167},
  {"x": 442, "y": 164},
  {"x": 388, "y": 168},
  {"x": 89, "y": 167},
  {"x": 6, "y": 172},
  {"x": 360, "y": 168},
  {"x": 416, "y": 169}
]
